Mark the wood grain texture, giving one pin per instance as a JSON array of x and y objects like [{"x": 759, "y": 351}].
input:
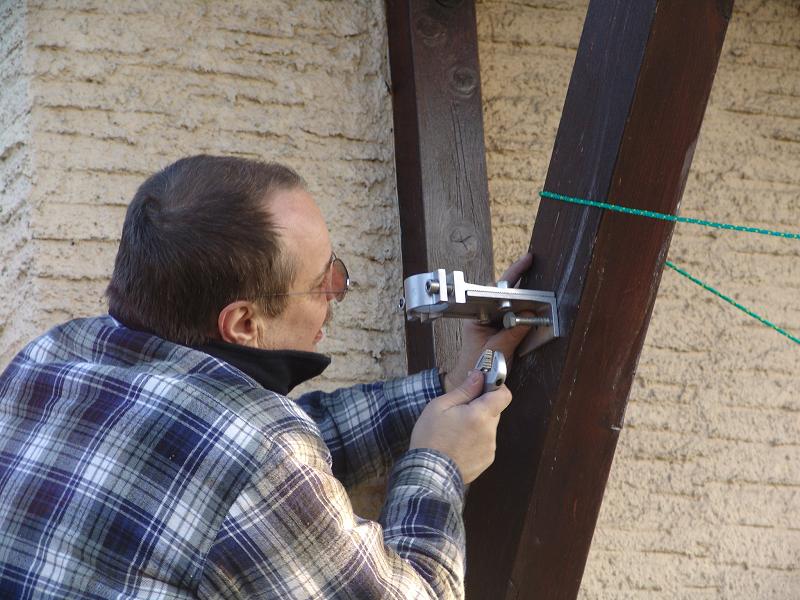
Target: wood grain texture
[
  {"x": 631, "y": 118},
  {"x": 440, "y": 156}
]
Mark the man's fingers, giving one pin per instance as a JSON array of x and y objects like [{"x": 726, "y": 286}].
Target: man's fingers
[
  {"x": 517, "y": 268},
  {"x": 494, "y": 402},
  {"x": 507, "y": 340},
  {"x": 467, "y": 390},
  {"x": 515, "y": 334}
]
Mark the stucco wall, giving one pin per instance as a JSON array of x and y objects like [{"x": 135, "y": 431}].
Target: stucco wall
[
  {"x": 121, "y": 89},
  {"x": 17, "y": 297},
  {"x": 704, "y": 495}
]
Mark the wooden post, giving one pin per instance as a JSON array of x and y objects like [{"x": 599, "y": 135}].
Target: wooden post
[
  {"x": 631, "y": 119},
  {"x": 440, "y": 156}
]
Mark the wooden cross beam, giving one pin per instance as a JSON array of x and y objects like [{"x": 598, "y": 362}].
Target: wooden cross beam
[
  {"x": 631, "y": 119},
  {"x": 439, "y": 155}
]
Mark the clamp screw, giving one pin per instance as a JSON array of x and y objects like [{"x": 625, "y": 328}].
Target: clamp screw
[
  {"x": 503, "y": 304},
  {"x": 433, "y": 287},
  {"x": 511, "y": 320}
]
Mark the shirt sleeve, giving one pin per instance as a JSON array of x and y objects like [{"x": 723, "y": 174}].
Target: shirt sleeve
[
  {"x": 292, "y": 534},
  {"x": 366, "y": 427}
]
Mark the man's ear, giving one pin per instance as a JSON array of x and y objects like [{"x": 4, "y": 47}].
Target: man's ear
[{"x": 237, "y": 323}]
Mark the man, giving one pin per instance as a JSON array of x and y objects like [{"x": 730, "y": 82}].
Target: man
[{"x": 153, "y": 453}]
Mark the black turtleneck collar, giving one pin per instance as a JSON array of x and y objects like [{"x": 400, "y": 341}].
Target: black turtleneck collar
[{"x": 276, "y": 370}]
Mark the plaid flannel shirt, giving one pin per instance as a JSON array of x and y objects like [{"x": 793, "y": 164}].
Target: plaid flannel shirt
[{"x": 131, "y": 467}]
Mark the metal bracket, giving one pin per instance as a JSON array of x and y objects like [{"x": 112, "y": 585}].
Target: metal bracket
[{"x": 438, "y": 294}]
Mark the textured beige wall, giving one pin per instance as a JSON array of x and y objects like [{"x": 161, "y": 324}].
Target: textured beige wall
[
  {"x": 703, "y": 500},
  {"x": 17, "y": 297},
  {"x": 121, "y": 89},
  {"x": 704, "y": 496}
]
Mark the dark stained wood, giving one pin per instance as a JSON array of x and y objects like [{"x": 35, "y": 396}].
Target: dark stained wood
[
  {"x": 630, "y": 123},
  {"x": 439, "y": 155}
]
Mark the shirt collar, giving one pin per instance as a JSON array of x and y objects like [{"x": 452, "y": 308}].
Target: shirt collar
[{"x": 276, "y": 370}]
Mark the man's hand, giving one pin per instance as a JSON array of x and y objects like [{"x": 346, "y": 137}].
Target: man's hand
[
  {"x": 476, "y": 337},
  {"x": 463, "y": 425}
]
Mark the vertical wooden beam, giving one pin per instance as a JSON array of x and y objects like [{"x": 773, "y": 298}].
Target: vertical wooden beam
[
  {"x": 439, "y": 154},
  {"x": 631, "y": 119}
]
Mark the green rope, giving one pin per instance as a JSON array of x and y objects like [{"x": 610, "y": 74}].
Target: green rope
[
  {"x": 663, "y": 217},
  {"x": 673, "y": 266},
  {"x": 729, "y": 300}
]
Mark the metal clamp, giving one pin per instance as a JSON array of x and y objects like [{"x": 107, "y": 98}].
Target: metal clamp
[{"x": 438, "y": 294}]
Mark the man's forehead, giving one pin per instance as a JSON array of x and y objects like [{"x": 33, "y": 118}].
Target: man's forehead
[
  {"x": 302, "y": 228},
  {"x": 295, "y": 208}
]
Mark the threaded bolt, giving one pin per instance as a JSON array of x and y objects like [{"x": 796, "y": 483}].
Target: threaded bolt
[{"x": 511, "y": 320}]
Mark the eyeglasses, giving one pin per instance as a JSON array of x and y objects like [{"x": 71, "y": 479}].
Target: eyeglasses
[
  {"x": 337, "y": 282},
  {"x": 335, "y": 285}
]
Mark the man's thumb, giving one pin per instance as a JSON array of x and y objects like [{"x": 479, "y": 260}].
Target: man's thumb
[{"x": 468, "y": 390}]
